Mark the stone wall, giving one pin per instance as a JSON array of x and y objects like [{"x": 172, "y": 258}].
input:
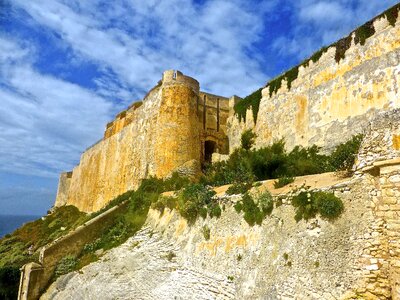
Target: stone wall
[
  {"x": 63, "y": 188},
  {"x": 152, "y": 138},
  {"x": 118, "y": 163},
  {"x": 35, "y": 277},
  {"x": 329, "y": 101}
]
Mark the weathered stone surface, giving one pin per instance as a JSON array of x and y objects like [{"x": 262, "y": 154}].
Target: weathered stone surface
[
  {"x": 238, "y": 262},
  {"x": 170, "y": 128},
  {"x": 329, "y": 101}
]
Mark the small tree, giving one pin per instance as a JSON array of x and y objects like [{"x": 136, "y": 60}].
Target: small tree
[{"x": 247, "y": 139}]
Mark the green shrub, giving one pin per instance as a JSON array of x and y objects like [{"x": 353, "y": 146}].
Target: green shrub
[
  {"x": 344, "y": 156},
  {"x": 214, "y": 210},
  {"x": 9, "y": 282},
  {"x": 255, "y": 210},
  {"x": 206, "y": 232},
  {"x": 282, "y": 181},
  {"x": 65, "y": 265},
  {"x": 252, "y": 213},
  {"x": 247, "y": 139},
  {"x": 306, "y": 208},
  {"x": 329, "y": 206},
  {"x": 309, "y": 204},
  {"x": 239, "y": 188},
  {"x": 163, "y": 202},
  {"x": 192, "y": 199},
  {"x": 265, "y": 202}
]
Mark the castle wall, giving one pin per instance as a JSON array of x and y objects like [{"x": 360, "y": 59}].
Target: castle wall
[
  {"x": 63, "y": 189},
  {"x": 149, "y": 139},
  {"x": 329, "y": 101},
  {"x": 118, "y": 163}
]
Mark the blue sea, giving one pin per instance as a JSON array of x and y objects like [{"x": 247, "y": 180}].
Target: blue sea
[{"x": 9, "y": 223}]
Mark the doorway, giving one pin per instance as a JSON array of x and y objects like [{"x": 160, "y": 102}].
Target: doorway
[{"x": 209, "y": 149}]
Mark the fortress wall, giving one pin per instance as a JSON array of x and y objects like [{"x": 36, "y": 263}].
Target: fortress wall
[
  {"x": 329, "y": 101},
  {"x": 117, "y": 163},
  {"x": 63, "y": 189},
  {"x": 217, "y": 111},
  {"x": 153, "y": 139}
]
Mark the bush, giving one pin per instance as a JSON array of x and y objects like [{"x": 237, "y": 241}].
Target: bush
[
  {"x": 9, "y": 282},
  {"x": 245, "y": 166},
  {"x": 265, "y": 202},
  {"x": 255, "y": 210},
  {"x": 247, "y": 139},
  {"x": 308, "y": 204},
  {"x": 66, "y": 265},
  {"x": 344, "y": 156},
  {"x": 192, "y": 200},
  {"x": 281, "y": 182},
  {"x": 329, "y": 206},
  {"x": 239, "y": 188},
  {"x": 306, "y": 208}
]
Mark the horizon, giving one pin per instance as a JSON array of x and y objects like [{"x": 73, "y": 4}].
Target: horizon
[{"x": 60, "y": 88}]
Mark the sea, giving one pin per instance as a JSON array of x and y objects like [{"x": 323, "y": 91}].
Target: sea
[{"x": 8, "y": 223}]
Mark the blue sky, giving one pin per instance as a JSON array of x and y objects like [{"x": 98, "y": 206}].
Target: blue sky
[{"x": 68, "y": 66}]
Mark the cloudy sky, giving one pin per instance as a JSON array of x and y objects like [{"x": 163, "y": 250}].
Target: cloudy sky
[{"x": 68, "y": 66}]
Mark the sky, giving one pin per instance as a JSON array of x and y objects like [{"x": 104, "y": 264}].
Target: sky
[{"x": 67, "y": 67}]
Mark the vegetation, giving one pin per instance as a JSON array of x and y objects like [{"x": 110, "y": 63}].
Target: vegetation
[
  {"x": 206, "y": 232},
  {"x": 247, "y": 139},
  {"x": 364, "y": 32},
  {"x": 65, "y": 265},
  {"x": 282, "y": 181},
  {"x": 309, "y": 204},
  {"x": 244, "y": 166},
  {"x": 255, "y": 210},
  {"x": 193, "y": 200},
  {"x": 9, "y": 282},
  {"x": 344, "y": 155},
  {"x": 239, "y": 188},
  {"x": 253, "y": 101}
]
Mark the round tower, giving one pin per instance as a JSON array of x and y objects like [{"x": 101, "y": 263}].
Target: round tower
[{"x": 178, "y": 131}]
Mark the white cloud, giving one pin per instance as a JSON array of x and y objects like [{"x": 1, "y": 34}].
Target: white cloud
[
  {"x": 46, "y": 122},
  {"x": 137, "y": 40},
  {"x": 320, "y": 22}
]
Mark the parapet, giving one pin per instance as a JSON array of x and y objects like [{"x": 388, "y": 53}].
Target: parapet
[{"x": 175, "y": 76}]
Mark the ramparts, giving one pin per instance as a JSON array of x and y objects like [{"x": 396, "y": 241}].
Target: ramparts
[
  {"x": 331, "y": 98},
  {"x": 175, "y": 124}
]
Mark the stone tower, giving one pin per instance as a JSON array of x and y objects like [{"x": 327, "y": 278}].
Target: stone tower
[{"x": 178, "y": 132}]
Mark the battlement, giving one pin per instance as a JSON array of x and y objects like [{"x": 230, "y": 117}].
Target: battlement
[{"x": 174, "y": 76}]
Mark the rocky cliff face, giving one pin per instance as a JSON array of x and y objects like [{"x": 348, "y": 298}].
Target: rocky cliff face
[
  {"x": 330, "y": 101},
  {"x": 281, "y": 259}
]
